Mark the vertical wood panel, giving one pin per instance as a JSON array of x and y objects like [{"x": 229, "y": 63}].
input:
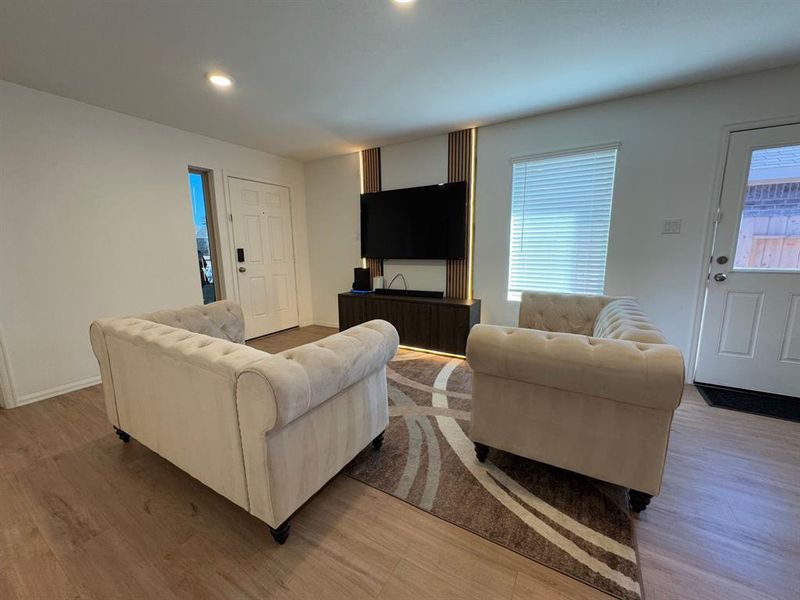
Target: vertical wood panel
[
  {"x": 371, "y": 170},
  {"x": 375, "y": 266},
  {"x": 459, "y": 168}
]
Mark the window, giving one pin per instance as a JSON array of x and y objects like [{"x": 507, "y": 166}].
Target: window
[
  {"x": 560, "y": 216},
  {"x": 769, "y": 232},
  {"x": 204, "y": 234}
]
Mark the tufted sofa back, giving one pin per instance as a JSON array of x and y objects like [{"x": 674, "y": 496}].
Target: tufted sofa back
[
  {"x": 567, "y": 313},
  {"x": 223, "y": 320},
  {"x": 623, "y": 319}
]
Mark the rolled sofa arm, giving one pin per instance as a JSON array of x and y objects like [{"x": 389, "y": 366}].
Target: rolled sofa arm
[
  {"x": 299, "y": 379},
  {"x": 276, "y": 389},
  {"x": 649, "y": 375},
  {"x": 98, "y": 342}
]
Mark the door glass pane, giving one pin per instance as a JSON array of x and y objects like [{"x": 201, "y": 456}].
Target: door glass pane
[
  {"x": 197, "y": 185},
  {"x": 769, "y": 233}
]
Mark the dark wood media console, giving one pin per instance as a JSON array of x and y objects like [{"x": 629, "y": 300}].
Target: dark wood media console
[{"x": 441, "y": 324}]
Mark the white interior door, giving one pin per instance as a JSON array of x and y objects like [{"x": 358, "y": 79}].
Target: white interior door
[
  {"x": 750, "y": 337},
  {"x": 262, "y": 233}
]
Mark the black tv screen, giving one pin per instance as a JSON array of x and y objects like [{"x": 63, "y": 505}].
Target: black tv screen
[{"x": 420, "y": 222}]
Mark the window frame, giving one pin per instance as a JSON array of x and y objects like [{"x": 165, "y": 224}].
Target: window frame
[
  {"x": 734, "y": 251},
  {"x": 521, "y": 158}
]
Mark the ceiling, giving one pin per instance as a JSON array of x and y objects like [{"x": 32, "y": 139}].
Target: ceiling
[{"x": 322, "y": 77}]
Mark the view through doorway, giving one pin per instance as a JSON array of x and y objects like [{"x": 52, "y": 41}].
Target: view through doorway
[{"x": 202, "y": 209}]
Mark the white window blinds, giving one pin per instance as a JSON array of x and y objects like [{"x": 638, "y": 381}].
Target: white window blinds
[{"x": 560, "y": 216}]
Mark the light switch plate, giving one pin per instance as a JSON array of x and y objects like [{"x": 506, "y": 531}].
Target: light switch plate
[{"x": 671, "y": 226}]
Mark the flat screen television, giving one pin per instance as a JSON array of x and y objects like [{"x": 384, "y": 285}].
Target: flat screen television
[{"x": 420, "y": 222}]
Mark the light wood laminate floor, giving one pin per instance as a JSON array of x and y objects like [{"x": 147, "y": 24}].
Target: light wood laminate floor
[{"x": 84, "y": 516}]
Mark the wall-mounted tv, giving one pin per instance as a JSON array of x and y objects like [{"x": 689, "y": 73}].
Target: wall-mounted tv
[{"x": 420, "y": 222}]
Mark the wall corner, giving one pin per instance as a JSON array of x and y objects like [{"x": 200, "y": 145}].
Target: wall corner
[{"x": 7, "y": 395}]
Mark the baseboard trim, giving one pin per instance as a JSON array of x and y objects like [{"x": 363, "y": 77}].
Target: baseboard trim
[
  {"x": 326, "y": 324},
  {"x": 57, "y": 390}
]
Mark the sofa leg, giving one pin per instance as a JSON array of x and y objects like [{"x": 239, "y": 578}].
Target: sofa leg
[
  {"x": 481, "y": 451},
  {"x": 122, "y": 435},
  {"x": 638, "y": 500},
  {"x": 281, "y": 533},
  {"x": 378, "y": 441}
]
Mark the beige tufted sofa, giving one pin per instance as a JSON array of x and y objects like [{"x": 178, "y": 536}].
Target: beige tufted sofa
[
  {"x": 585, "y": 383},
  {"x": 265, "y": 431}
]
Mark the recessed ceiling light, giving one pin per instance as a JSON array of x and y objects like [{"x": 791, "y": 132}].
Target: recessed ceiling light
[
  {"x": 220, "y": 80},
  {"x": 405, "y": 1}
]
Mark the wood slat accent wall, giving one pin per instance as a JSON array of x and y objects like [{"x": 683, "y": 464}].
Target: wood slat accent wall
[
  {"x": 372, "y": 169},
  {"x": 371, "y": 172},
  {"x": 375, "y": 266},
  {"x": 459, "y": 168}
]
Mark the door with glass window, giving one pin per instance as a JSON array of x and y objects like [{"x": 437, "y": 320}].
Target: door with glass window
[{"x": 750, "y": 336}]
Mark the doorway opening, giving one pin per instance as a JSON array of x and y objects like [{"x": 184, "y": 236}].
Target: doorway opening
[{"x": 205, "y": 233}]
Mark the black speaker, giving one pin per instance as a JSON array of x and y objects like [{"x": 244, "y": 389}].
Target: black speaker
[{"x": 362, "y": 281}]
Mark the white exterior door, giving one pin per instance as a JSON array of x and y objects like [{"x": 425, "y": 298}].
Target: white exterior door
[
  {"x": 750, "y": 337},
  {"x": 264, "y": 256}
]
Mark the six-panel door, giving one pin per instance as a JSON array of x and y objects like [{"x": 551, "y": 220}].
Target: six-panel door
[{"x": 262, "y": 231}]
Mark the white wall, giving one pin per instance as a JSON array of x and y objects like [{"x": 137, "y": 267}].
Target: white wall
[
  {"x": 668, "y": 167},
  {"x": 412, "y": 164},
  {"x": 6, "y": 395},
  {"x": 333, "y": 188},
  {"x": 334, "y": 227},
  {"x": 97, "y": 221}
]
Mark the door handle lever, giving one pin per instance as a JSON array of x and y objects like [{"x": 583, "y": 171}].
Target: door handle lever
[
  {"x": 720, "y": 277},
  {"x": 242, "y": 269}
]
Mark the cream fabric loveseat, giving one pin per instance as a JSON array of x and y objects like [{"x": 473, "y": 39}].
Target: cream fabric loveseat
[
  {"x": 265, "y": 431},
  {"x": 585, "y": 383}
]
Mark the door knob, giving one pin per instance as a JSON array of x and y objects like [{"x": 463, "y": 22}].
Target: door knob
[
  {"x": 720, "y": 277},
  {"x": 242, "y": 269}
]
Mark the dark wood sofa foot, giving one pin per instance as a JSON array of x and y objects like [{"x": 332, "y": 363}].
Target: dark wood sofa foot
[
  {"x": 481, "y": 451},
  {"x": 281, "y": 533},
  {"x": 122, "y": 435},
  {"x": 638, "y": 500},
  {"x": 378, "y": 441}
]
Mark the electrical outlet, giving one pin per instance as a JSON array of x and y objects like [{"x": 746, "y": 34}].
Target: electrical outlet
[{"x": 671, "y": 226}]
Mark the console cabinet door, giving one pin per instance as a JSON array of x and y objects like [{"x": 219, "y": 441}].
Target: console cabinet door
[
  {"x": 416, "y": 320},
  {"x": 449, "y": 328},
  {"x": 352, "y": 311},
  {"x": 433, "y": 326}
]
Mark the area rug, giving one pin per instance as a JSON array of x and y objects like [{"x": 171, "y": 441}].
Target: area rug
[
  {"x": 570, "y": 523},
  {"x": 756, "y": 403}
]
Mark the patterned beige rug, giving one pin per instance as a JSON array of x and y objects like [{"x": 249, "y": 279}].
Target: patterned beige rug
[{"x": 576, "y": 525}]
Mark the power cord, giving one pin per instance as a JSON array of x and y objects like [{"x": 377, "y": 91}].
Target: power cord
[{"x": 405, "y": 285}]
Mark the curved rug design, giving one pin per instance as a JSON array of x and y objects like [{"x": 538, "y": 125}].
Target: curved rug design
[{"x": 568, "y": 522}]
